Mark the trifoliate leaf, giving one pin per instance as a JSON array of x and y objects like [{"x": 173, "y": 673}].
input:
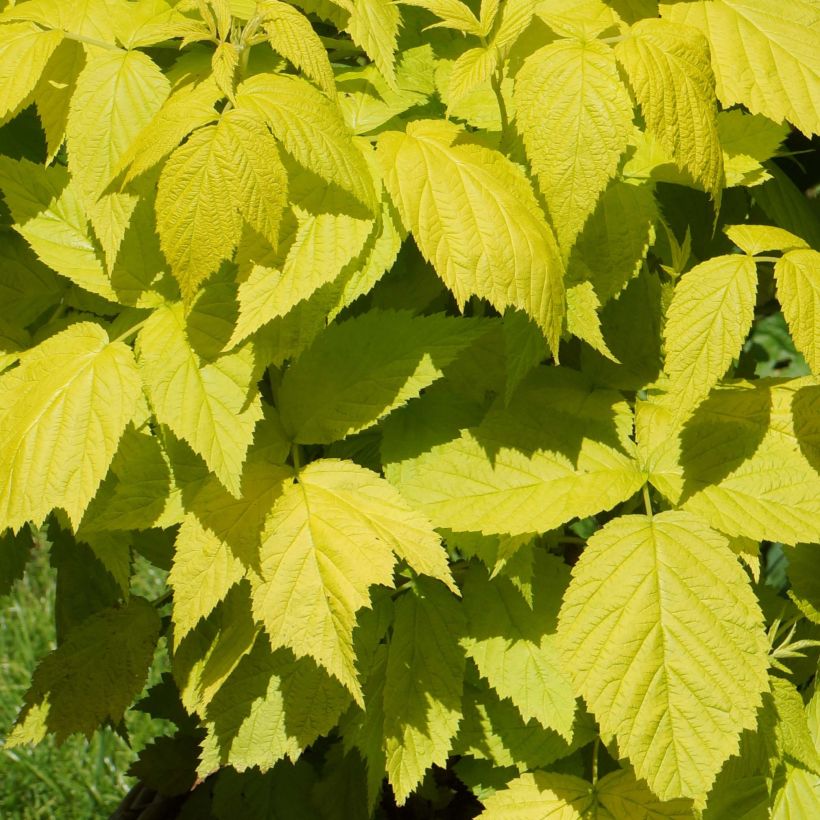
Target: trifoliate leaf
[
  {"x": 423, "y": 685},
  {"x": 764, "y": 55},
  {"x": 647, "y": 596},
  {"x": 578, "y": 83},
  {"x": 560, "y": 450},
  {"x": 25, "y": 50},
  {"x": 475, "y": 218},
  {"x": 669, "y": 70},
  {"x": 328, "y": 539},
  {"x": 706, "y": 324},
  {"x": 62, "y": 413},
  {"x": 92, "y": 677},
  {"x": 117, "y": 95},
  {"x": 343, "y": 383},
  {"x": 513, "y": 644},
  {"x": 291, "y": 34},
  {"x": 310, "y": 128},
  {"x": 213, "y": 405},
  {"x": 798, "y": 291},
  {"x": 272, "y": 706}
]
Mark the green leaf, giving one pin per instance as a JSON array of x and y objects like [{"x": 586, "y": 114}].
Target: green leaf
[
  {"x": 798, "y": 291},
  {"x": 237, "y": 159},
  {"x": 25, "y": 51},
  {"x": 764, "y": 55},
  {"x": 538, "y": 795},
  {"x": 513, "y": 644},
  {"x": 472, "y": 213},
  {"x": 754, "y": 239},
  {"x": 93, "y": 676},
  {"x": 452, "y": 14},
  {"x": 626, "y": 797},
  {"x": 794, "y": 739},
  {"x": 291, "y": 34},
  {"x": 669, "y": 70},
  {"x": 213, "y": 405},
  {"x": 709, "y": 317},
  {"x": 423, "y": 685},
  {"x": 560, "y": 450},
  {"x": 272, "y": 706},
  {"x": 747, "y": 141},
  {"x": 117, "y": 95},
  {"x": 71, "y": 395},
  {"x": 578, "y": 83},
  {"x": 311, "y": 129},
  {"x": 14, "y": 554},
  {"x": 805, "y": 582},
  {"x": 799, "y": 797},
  {"x": 374, "y": 25},
  {"x": 647, "y": 596},
  {"x": 344, "y": 383},
  {"x": 328, "y": 539}
]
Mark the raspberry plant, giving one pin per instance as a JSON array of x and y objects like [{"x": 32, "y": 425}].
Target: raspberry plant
[{"x": 420, "y": 343}]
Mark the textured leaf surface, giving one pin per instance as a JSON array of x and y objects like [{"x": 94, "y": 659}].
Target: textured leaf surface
[
  {"x": 236, "y": 158},
  {"x": 62, "y": 413},
  {"x": 212, "y": 405},
  {"x": 541, "y": 795},
  {"x": 558, "y": 451},
  {"x": 328, "y": 539},
  {"x": 764, "y": 55},
  {"x": 344, "y": 383},
  {"x": 117, "y": 95},
  {"x": 648, "y": 596},
  {"x": 626, "y": 797},
  {"x": 310, "y": 128},
  {"x": 710, "y": 315},
  {"x": 423, "y": 684},
  {"x": 669, "y": 69},
  {"x": 513, "y": 643},
  {"x": 578, "y": 84},
  {"x": 374, "y": 25},
  {"x": 798, "y": 291},
  {"x": 93, "y": 676},
  {"x": 472, "y": 214}
]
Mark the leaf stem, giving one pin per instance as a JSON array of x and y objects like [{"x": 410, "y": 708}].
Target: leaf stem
[
  {"x": 296, "y": 455},
  {"x": 773, "y": 259},
  {"x": 496, "y": 81},
  {"x": 89, "y": 41},
  {"x": 595, "y": 746},
  {"x": 647, "y": 502}
]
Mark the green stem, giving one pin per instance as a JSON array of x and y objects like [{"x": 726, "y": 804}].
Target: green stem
[
  {"x": 131, "y": 331},
  {"x": 773, "y": 259},
  {"x": 496, "y": 81},
  {"x": 296, "y": 455},
  {"x": 647, "y": 502},
  {"x": 91, "y": 41},
  {"x": 595, "y": 746}
]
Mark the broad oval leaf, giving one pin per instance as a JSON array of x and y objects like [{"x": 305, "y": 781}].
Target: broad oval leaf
[
  {"x": 648, "y": 597},
  {"x": 62, "y": 413}
]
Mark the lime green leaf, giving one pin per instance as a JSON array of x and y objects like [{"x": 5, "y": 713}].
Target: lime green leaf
[
  {"x": 187, "y": 109},
  {"x": 707, "y": 322},
  {"x": 423, "y": 685},
  {"x": 475, "y": 218},
  {"x": 224, "y": 62},
  {"x": 25, "y": 50},
  {"x": 747, "y": 141},
  {"x": 798, "y": 291},
  {"x": 291, "y": 34},
  {"x": 328, "y": 539},
  {"x": 514, "y": 18},
  {"x": 584, "y": 19},
  {"x": 237, "y": 159},
  {"x": 272, "y": 706},
  {"x": 749, "y": 457},
  {"x": 72, "y": 394},
  {"x": 664, "y": 638},
  {"x": 344, "y": 383},
  {"x": 799, "y": 797},
  {"x": 213, "y": 405},
  {"x": 89, "y": 18},
  {"x": 524, "y": 348},
  {"x": 452, "y": 14},
  {"x": 541, "y": 795},
  {"x": 794, "y": 739},
  {"x": 765, "y": 55},
  {"x": 374, "y": 25},
  {"x": 473, "y": 68},
  {"x": 513, "y": 643},
  {"x": 117, "y": 95},
  {"x": 583, "y": 320},
  {"x": 627, "y": 798},
  {"x": 578, "y": 83},
  {"x": 669, "y": 69},
  {"x": 754, "y": 239},
  {"x": 47, "y": 210},
  {"x": 147, "y": 22},
  {"x": 92, "y": 677},
  {"x": 560, "y": 450},
  {"x": 310, "y": 128}
]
